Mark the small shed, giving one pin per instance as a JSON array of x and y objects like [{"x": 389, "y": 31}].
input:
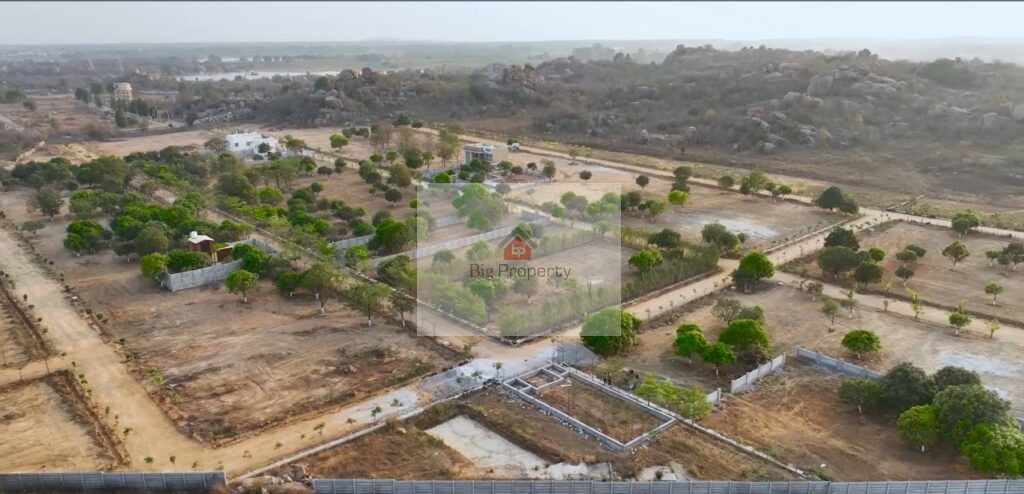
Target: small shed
[{"x": 200, "y": 243}]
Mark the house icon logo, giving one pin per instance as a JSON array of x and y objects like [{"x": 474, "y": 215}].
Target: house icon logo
[{"x": 517, "y": 246}]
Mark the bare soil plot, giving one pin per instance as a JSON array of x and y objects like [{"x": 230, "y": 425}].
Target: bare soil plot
[
  {"x": 613, "y": 416},
  {"x": 69, "y": 114},
  {"x": 389, "y": 453},
  {"x": 228, "y": 368},
  {"x": 401, "y": 450},
  {"x": 46, "y": 426},
  {"x": 153, "y": 142},
  {"x": 935, "y": 280},
  {"x": 18, "y": 344},
  {"x": 793, "y": 318},
  {"x": 797, "y": 418}
]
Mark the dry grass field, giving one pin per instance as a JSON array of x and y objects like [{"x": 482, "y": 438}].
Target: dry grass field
[{"x": 797, "y": 417}]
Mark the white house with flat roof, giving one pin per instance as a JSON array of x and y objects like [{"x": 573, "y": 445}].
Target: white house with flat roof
[
  {"x": 485, "y": 152},
  {"x": 248, "y": 143}
]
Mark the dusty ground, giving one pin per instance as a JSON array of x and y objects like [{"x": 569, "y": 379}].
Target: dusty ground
[
  {"x": 793, "y": 318},
  {"x": 227, "y": 367},
  {"x": 935, "y": 279},
  {"x": 400, "y": 451},
  {"x": 45, "y": 428},
  {"x": 798, "y": 418},
  {"x": 761, "y": 219},
  {"x": 17, "y": 343},
  {"x": 617, "y": 418},
  {"x": 391, "y": 454}
]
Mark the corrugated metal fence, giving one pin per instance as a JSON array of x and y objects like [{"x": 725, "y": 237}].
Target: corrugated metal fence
[
  {"x": 80, "y": 481},
  {"x": 352, "y": 486}
]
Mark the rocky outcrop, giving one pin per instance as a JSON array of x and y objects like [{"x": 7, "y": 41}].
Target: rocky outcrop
[
  {"x": 1018, "y": 113},
  {"x": 820, "y": 85},
  {"x": 994, "y": 123}
]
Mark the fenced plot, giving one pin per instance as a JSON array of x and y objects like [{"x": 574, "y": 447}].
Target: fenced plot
[
  {"x": 363, "y": 486},
  {"x": 212, "y": 274},
  {"x": 603, "y": 412}
]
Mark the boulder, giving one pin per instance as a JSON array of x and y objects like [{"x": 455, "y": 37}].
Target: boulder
[
  {"x": 996, "y": 123},
  {"x": 768, "y": 148},
  {"x": 791, "y": 98},
  {"x": 820, "y": 85},
  {"x": 1018, "y": 113}
]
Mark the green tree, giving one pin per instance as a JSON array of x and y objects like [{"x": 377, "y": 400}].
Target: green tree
[
  {"x": 954, "y": 376},
  {"x": 860, "y": 392},
  {"x": 288, "y": 281},
  {"x": 678, "y": 197},
  {"x": 960, "y": 408},
  {"x": 753, "y": 268},
  {"x": 549, "y": 170},
  {"x": 862, "y": 341},
  {"x": 153, "y": 265},
  {"x": 904, "y": 273},
  {"x": 338, "y": 141},
  {"x": 48, "y": 201},
  {"x": 256, "y": 261},
  {"x": 718, "y": 354},
  {"x": 688, "y": 343},
  {"x": 964, "y": 222},
  {"x": 840, "y": 236},
  {"x": 726, "y": 181},
  {"x": 959, "y": 319},
  {"x": 743, "y": 333},
  {"x": 367, "y": 297},
  {"x": 994, "y": 289},
  {"x": 830, "y": 198},
  {"x": 645, "y": 260},
  {"x": 585, "y": 175},
  {"x": 876, "y": 254},
  {"x": 643, "y": 180},
  {"x": 692, "y": 402},
  {"x": 527, "y": 286},
  {"x": 837, "y": 260},
  {"x": 243, "y": 282},
  {"x": 919, "y": 426},
  {"x": 151, "y": 239},
  {"x": 324, "y": 281},
  {"x": 956, "y": 252},
  {"x": 610, "y": 330},
  {"x": 868, "y": 273},
  {"x": 994, "y": 449},
  {"x": 906, "y": 385}
]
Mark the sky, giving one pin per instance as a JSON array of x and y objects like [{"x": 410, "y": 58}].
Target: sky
[{"x": 161, "y": 22}]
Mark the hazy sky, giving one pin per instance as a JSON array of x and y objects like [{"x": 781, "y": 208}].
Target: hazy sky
[{"x": 120, "y": 22}]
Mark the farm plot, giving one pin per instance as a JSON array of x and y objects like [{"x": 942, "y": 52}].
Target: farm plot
[
  {"x": 935, "y": 279},
  {"x": 794, "y": 318},
  {"x": 402, "y": 450},
  {"x": 221, "y": 368},
  {"x": 46, "y": 426},
  {"x": 797, "y": 417}
]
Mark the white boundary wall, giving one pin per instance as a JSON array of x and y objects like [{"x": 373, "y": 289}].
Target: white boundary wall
[{"x": 746, "y": 380}]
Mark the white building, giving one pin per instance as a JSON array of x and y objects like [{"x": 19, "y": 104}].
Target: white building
[
  {"x": 248, "y": 143},
  {"x": 485, "y": 152}
]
